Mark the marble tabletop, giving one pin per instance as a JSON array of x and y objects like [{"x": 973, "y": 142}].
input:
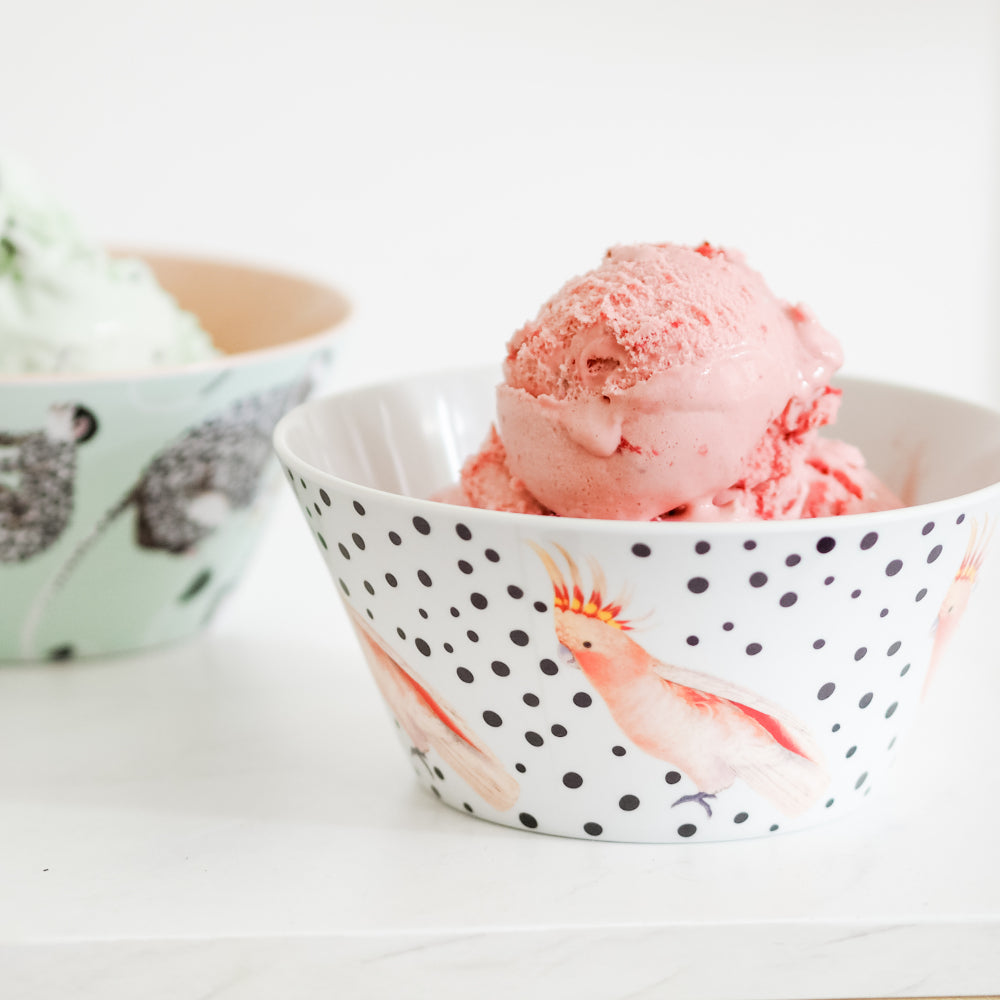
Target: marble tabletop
[{"x": 230, "y": 817}]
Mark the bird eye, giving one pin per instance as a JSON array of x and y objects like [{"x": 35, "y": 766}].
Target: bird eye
[{"x": 587, "y": 644}]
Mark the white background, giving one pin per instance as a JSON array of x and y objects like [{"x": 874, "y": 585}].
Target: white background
[{"x": 450, "y": 163}]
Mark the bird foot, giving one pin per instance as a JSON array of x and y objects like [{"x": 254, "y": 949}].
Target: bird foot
[{"x": 698, "y": 797}]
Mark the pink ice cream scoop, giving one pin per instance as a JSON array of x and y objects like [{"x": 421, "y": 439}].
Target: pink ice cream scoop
[{"x": 670, "y": 382}]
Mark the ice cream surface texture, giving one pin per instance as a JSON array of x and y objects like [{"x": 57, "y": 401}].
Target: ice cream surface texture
[
  {"x": 66, "y": 305},
  {"x": 669, "y": 383}
]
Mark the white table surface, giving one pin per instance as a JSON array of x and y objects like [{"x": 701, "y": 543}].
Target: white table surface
[{"x": 231, "y": 817}]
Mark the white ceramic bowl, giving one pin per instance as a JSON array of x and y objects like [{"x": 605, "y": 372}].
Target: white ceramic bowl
[
  {"x": 634, "y": 681},
  {"x": 130, "y": 502}
]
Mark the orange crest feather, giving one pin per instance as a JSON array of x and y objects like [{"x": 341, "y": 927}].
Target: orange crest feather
[{"x": 573, "y": 600}]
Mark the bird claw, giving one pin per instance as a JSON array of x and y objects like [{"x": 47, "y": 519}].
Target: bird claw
[{"x": 698, "y": 797}]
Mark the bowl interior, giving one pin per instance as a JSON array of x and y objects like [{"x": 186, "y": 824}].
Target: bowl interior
[
  {"x": 411, "y": 437},
  {"x": 247, "y": 308}
]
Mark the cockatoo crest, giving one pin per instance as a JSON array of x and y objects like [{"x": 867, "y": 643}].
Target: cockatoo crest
[
  {"x": 975, "y": 553},
  {"x": 567, "y": 598}
]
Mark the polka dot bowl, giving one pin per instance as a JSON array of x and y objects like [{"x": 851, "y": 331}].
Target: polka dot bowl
[
  {"x": 633, "y": 681},
  {"x": 130, "y": 501}
]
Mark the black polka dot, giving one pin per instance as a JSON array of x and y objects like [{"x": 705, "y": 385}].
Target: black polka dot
[
  {"x": 532, "y": 700},
  {"x": 641, "y": 550},
  {"x": 618, "y": 751},
  {"x": 515, "y": 592},
  {"x": 594, "y": 829},
  {"x": 773, "y": 828},
  {"x": 394, "y": 538},
  {"x": 758, "y": 579},
  {"x": 749, "y": 545},
  {"x": 905, "y": 670},
  {"x": 500, "y": 668},
  {"x": 697, "y": 585},
  {"x": 826, "y": 544},
  {"x": 861, "y": 780},
  {"x": 828, "y": 581},
  {"x": 869, "y": 540},
  {"x": 357, "y": 506},
  {"x": 754, "y": 648},
  {"x": 558, "y": 730},
  {"x": 528, "y": 820},
  {"x": 400, "y": 633},
  {"x": 369, "y": 588},
  {"x": 851, "y": 751},
  {"x": 927, "y": 528},
  {"x": 572, "y": 780},
  {"x": 439, "y": 773},
  {"x": 548, "y": 667},
  {"x": 492, "y": 719},
  {"x": 793, "y": 560},
  {"x": 741, "y": 817},
  {"x": 463, "y": 532},
  {"x": 860, "y": 653},
  {"x": 455, "y": 613},
  {"x": 317, "y": 509},
  {"x": 934, "y": 553},
  {"x": 628, "y": 802},
  {"x": 341, "y": 546},
  {"x": 866, "y": 700},
  {"x": 893, "y": 649},
  {"x": 424, "y": 577},
  {"x": 692, "y": 640},
  {"x": 959, "y": 519},
  {"x": 492, "y": 555},
  {"x": 391, "y": 580},
  {"x": 894, "y": 567},
  {"x": 891, "y": 710},
  {"x": 422, "y": 645},
  {"x": 582, "y": 700},
  {"x": 702, "y": 547},
  {"x": 921, "y": 594},
  {"x": 787, "y": 600},
  {"x": 672, "y": 777},
  {"x": 325, "y": 497},
  {"x": 343, "y": 587},
  {"x": 535, "y": 739},
  {"x": 687, "y": 830},
  {"x": 464, "y": 567},
  {"x": 519, "y": 638},
  {"x": 856, "y": 593},
  {"x": 819, "y": 643},
  {"x": 421, "y": 525},
  {"x": 826, "y": 690},
  {"x": 520, "y": 768},
  {"x": 472, "y": 635},
  {"x": 540, "y": 606},
  {"x": 728, "y": 626},
  {"x": 465, "y": 675},
  {"x": 478, "y": 601},
  {"x": 448, "y": 647},
  {"x": 883, "y": 613},
  {"x": 467, "y": 807}
]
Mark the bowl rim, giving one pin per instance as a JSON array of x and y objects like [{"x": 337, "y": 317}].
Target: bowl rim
[
  {"x": 216, "y": 364},
  {"x": 290, "y": 460}
]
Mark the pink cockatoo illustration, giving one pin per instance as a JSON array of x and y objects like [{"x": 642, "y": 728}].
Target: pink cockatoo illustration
[
  {"x": 956, "y": 598},
  {"x": 431, "y": 723},
  {"x": 711, "y": 729}
]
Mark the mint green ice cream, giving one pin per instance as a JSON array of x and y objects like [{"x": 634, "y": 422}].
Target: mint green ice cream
[{"x": 67, "y": 306}]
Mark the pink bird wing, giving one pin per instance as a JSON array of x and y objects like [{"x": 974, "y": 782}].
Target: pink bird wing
[
  {"x": 783, "y": 727},
  {"x": 787, "y": 767},
  {"x": 430, "y": 722}
]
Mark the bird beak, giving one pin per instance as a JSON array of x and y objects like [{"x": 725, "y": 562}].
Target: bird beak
[{"x": 566, "y": 656}]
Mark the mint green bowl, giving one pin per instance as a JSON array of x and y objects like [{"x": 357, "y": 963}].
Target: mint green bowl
[{"x": 131, "y": 502}]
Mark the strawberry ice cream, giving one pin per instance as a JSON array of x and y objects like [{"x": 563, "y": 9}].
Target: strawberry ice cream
[{"x": 669, "y": 383}]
